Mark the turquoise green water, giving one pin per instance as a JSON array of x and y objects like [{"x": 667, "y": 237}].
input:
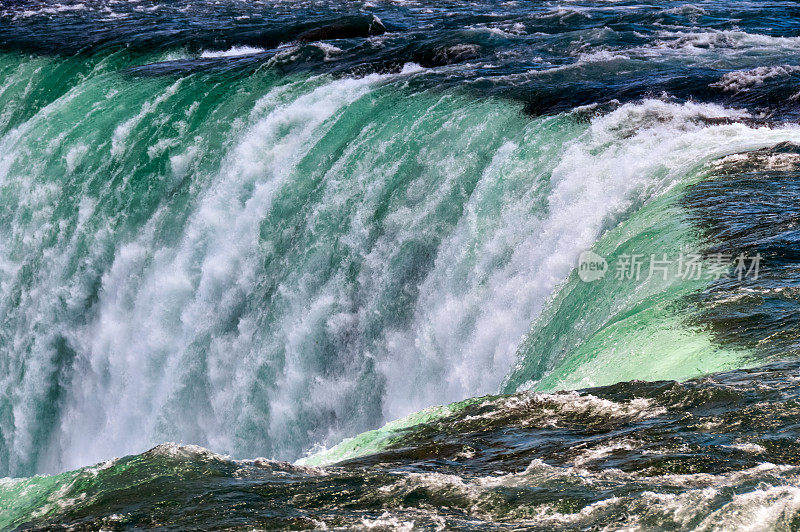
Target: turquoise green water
[
  {"x": 331, "y": 233},
  {"x": 263, "y": 265},
  {"x": 605, "y": 331},
  {"x": 620, "y": 329}
]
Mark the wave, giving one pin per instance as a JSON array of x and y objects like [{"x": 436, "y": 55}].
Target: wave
[
  {"x": 745, "y": 80},
  {"x": 707, "y": 41},
  {"x": 232, "y": 52},
  {"x": 694, "y": 455}
]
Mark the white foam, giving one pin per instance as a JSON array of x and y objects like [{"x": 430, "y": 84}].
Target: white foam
[
  {"x": 122, "y": 131},
  {"x": 730, "y": 501},
  {"x": 328, "y": 49},
  {"x": 748, "y": 447},
  {"x": 601, "y": 56},
  {"x": 388, "y": 521},
  {"x": 506, "y": 30},
  {"x": 701, "y": 42},
  {"x": 50, "y": 10},
  {"x": 744, "y": 80},
  {"x": 74, "y": 156},
  {"x": 553, "y": 406},
  {"x": 232, "y": 52}
]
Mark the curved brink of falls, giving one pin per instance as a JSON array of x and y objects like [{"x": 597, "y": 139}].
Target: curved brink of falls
[{"x": 262, "y": 264}]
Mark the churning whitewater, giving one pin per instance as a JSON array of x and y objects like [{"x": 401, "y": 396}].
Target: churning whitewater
[{"x": 271, "y": 229}]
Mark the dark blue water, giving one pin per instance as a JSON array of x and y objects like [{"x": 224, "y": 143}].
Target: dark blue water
[{"x": 553, "y": 56}]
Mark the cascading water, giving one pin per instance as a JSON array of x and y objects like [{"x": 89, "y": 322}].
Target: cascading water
[
  {"x": 265, "y": 229},
  {"x": 319, "y": 272}
]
